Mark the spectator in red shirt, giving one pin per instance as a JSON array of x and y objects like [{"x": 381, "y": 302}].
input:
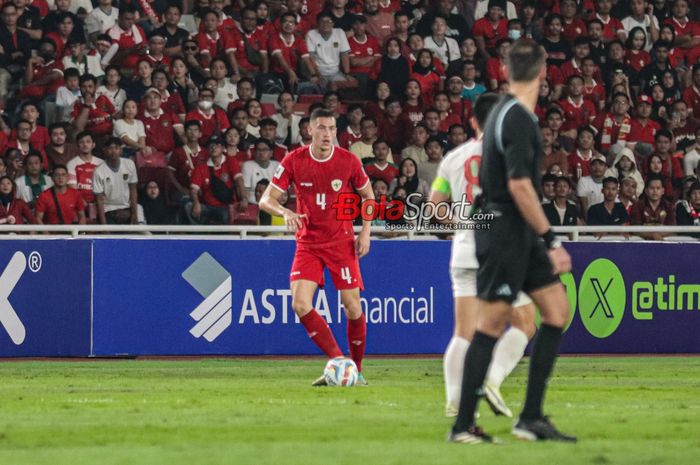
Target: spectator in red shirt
[
  {"x": 380, "y": 24},
  {"x": 365, "y": 51},
  {"x": 268, "y": 131},
  {"x": 394, "y": 126},
  {"x": 670, "y": 167},
  {"x": 160, "y": 126},
  {"x": 577, "y": 110},
  {"x": 643, "y": 128},
  {"x": 378, "y": 167},
  {"x": 213, "y": 42},
  {"x": 13, "y": 210},
  {"x": 185, "y": 159},
  {"x": 214, "y": 120},
  {"x": 612, "y": 27},
  {"x": 687, "y": 31},
  {"x": 212, "y": 188},
  {"x": 682, "y": 126},
  {"x": 60, "y": 204},
  {"x": 573, "y": 26},
  {"x": 653, "y": 209},
  {"x": 351, "y": 133},
  {"x": 636, "y": 56},
  {"x": 615, "y": 125},
  {"x": 424, "y": 72},
  {"x": 593, "y": 89},
  {"x": 491, "y": 28},
  {"x": 251, "y": 45},
  {"x": 288, "y": 52},
  {"x": 582, "y": 49},
  {"x": 496, "y": 66},
  {"x": 691, "y": 95},
  {"x": 40, "y": 135},
  {"x": 43, "y": 74},
  {"x": 60, "y": 37},
  {"x": 128, "y": 39},
  {"x": 579, "y": 161},
  {"x": 91, "y": 113},
  {"x": 447, "y": 118}
]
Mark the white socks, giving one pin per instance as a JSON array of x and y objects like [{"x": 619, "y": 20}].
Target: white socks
[
  {"x": 453, "y": 368},
  {"x": 506, "y": 355}
]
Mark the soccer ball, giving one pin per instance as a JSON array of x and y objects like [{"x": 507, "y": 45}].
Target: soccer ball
[{"x": 340, "y": 371}]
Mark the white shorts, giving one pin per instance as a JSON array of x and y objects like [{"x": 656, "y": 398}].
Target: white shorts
[{"x": 464, "y": 285}]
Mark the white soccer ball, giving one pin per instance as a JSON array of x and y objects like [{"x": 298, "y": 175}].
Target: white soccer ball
[{"x": 340, "y": 371}]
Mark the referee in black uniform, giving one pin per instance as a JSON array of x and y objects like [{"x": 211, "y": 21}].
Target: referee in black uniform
[{"x": 518, "y": 252}]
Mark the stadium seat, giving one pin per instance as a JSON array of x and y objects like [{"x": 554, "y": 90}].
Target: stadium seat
[
  {"x": 302, "y": 108},
  {"x": 268, "y": 109},
  {"x": 305, "y": 98}
]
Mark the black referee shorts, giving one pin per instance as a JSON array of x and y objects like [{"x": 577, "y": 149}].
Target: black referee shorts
[{"x": 511, "y": 259}]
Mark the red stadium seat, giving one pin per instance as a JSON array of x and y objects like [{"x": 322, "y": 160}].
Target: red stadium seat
[
  {"x": 268, "y": 109},
  {"x": 310, "y": 99},
  {"x": 302, "y": 108}
]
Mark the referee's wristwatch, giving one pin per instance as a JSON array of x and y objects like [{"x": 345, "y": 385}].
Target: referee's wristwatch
[{"x": 550, "y": 240}]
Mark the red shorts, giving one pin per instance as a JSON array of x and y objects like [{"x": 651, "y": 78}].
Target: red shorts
[{"x": 340, "y": 259}]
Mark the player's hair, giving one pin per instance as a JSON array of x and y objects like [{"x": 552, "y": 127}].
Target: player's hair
[
  {"x": 173, "y": 5},
  {"x": 663, "y": 133},
  {"x": 548, "y": 177},
  {"x": 127, "y": 8},
  {"x": 594, "y": 21},
  {"x": 304, "y": 120},
  {"x": 610, "y": 179},
  {"x": 574, "y": 76},
  {"x": 376, "y": 180},
  {"x": 84, "y": 134},
  {"x": 23, "y": 121},
  {"x": 267, "y": 122},
  {"x": 455, "y": 126},
  {"x": 60, "y": 124},
  {"x": 192, "y": 122},
  {"x": 87, "y": 77},
  {"x": 248, "y": 80},
  {"x": 321, "y": 113},
  {"x": 654, "y": 177},
  {"x": 695, "y": 186},
  {"x": 33, "y": 153},
  {"x": 551, "y": 17},
  {"x": 379, "y": 141},
  {"x": 435, "y": 139},
  {"x": 483, "y": 106},
  {"x": 368, "y": 118},
  {"x": 59, "y": 167},
  {"x": 400, "y": 13},
  {"x": 563, "y": 179},
  {"x": 525, "y": 60},
  {"x": 587, "y": 129},
  {"x": 268, "y": 142},
  {"x": 264, "y": 181},
  {"x": 208, "y": 12},
  {"x": 288, "y": 14},
  {"x": 113, "y": 141}
]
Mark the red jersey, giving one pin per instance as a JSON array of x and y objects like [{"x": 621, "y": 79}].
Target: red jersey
[
  {"x": 691, "y": 96},
  {"x": 637, "y": 59},
  {"x": 496, "y": 69},
  {"x": 217, "y": 45},
  {"x": 462, "y": 108},
  {"x": 126, "y": 39},
  {"x": 292, "y": 52},
  {"x": 39, "y": 138},
  {"x": 226, "y": 172},
  {"x": 80, "y": 176},
  {"x": 594, "y": 92},
  {"x": 172, "y": 102},
  {"x": 40, "y": 71},
  {"x": 183, "y": 161},
  {"x": 99, "y": 116},
  {"x": 574, "y": 29},
  {"x": 217, "y": 122},
  {"x": 429, "y": 85},
  {"x": 578, "y": 166},
  {"x": 160, "y": 132},
  {"x": 70, "y": 202},
  {"x": 490, "y": 33},
  {"x": 257, "y": 40},
  {"x": 369, "y": 48},
  {"x": 414, "y": 112},
  {"x": 450, "y": 120},
  {"x": 577, "y": 114},
  {"x": 643, "y": 133},
  {"x": 685, "y": 28},
  {"x": 388, "y": 173},
  {"x": 610, "y": 27},
  {"x": 60, "y": 43},
  {"x": 318, "y": 184},
  {"x": 347, "y": 137}
]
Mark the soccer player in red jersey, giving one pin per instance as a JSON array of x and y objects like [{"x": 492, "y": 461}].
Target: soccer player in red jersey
[{"x": 321, "y": 172}]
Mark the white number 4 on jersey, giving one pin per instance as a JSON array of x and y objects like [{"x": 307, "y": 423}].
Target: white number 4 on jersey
[
  {"x": 345, "y": 274},
  {"x": 321, "y": 200}
]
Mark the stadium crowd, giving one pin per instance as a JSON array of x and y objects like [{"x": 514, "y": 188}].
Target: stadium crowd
[{"x": 179, "y": 112}]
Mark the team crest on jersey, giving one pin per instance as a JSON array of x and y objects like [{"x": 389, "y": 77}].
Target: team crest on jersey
[
  {"x": 125, "y": 176},
  {"x": 336, "y": 184}
]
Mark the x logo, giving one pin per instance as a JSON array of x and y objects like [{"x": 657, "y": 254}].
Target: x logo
[
  {"x": 602, "y": 300},
  {"x": 8, "y": 281}
]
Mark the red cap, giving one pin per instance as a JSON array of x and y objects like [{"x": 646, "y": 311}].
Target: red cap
[{"x": 643, "y": 99}]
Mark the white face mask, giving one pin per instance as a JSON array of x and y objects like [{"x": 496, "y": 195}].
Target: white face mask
[
  {"x": 514, "y": 34},
  {"x": 206, "y": 104}
]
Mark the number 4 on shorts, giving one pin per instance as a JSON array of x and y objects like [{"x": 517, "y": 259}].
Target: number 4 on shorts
[
  {"x": 321, "y": 200},
  {"x": 345, "y": 274}
]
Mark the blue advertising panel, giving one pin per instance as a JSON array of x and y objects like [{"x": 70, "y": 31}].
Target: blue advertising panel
[
  {"x": 634, "y": 298},
  {"x": 45, "y": 298},
  {"x": 232, "y": 297}
]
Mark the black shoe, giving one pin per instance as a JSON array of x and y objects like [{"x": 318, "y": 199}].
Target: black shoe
[
  {"x": 540, "y": 429},
  {"x": 473, "y": 435}
]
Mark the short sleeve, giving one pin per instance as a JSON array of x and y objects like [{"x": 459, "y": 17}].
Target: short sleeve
[
  {"x": 284, "y": 175},
  {"x": 234, "y": 167},
  {"x": 199, "y": 176},
  {"x": 131, "y": 169},
  {"x": 310, "y": 42},
  {"x": 97, "y": 183},
  {"x": 72, "y": 176},
  {"x": 343, "y": 44},
  {"x": 358, "y": 178},
  {"x": 519, "y": 140}
]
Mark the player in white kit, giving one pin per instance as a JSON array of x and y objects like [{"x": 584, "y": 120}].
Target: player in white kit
[{"x": 458, "y": 181}]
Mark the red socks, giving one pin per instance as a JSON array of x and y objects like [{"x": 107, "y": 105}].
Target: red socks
[
  {"x": 357, "y": 338},
  {"x": 320, "y": 333}
]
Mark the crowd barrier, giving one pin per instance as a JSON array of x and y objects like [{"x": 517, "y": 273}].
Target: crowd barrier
[{"x": 141, "y": 296}]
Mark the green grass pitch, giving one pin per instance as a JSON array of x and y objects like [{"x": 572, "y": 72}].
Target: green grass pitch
[{"x": 237, "y": 411}]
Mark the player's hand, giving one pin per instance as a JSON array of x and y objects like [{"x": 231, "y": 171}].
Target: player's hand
[
  {"x": 362, "y": 245},
  {"x": 560, "y": 259},
  {"x": 294, "y": 221}
]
